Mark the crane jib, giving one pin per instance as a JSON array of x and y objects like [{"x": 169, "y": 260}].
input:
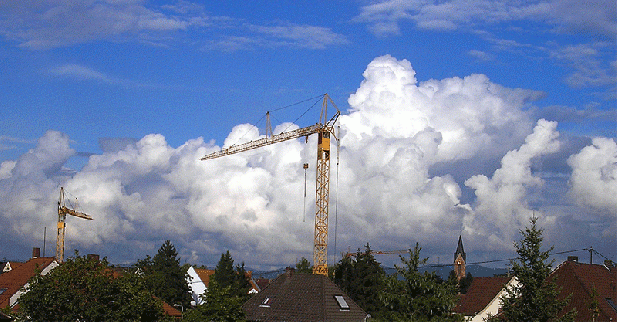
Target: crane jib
[
  {"x": 281, "y": 137},
  {"x": 322, "y": 193}
]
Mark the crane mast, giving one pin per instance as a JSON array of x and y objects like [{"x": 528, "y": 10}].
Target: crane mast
[
  {"x": 63, "y": 210},
  {"x": 324, "y": 130}
]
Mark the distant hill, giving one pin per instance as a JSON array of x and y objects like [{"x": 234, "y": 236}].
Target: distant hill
[
  {"x": 475, "y": 270},
  {"x": 442, "y": 271}
]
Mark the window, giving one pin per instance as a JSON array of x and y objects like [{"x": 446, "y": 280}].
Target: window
[
  {"x": 266, "y": 302},
  {"x": 2, "y": 290},
  {"x": 341, "y": 302},
  {"x": 609, "y": 300}
]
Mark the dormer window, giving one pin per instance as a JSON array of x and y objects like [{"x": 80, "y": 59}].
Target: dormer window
[{"x": 341, "y": 302}]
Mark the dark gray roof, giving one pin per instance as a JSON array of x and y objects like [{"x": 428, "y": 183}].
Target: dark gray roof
[{"x": 302, "y": 297}]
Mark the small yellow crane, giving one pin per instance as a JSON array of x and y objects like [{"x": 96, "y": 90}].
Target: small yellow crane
[
  {"x": 63, "y": 210},
  {"x": 324, "y": 129}
]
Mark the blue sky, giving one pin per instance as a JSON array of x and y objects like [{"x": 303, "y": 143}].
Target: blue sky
[{"x": 103, "y": 76}]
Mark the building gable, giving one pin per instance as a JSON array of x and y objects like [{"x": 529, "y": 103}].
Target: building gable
[
  {"x": 12, "y": 281},
  {"x": 302, "y": 297},
  {"x": 483, "y": 297},
  {"x": 580, "y": 281}
]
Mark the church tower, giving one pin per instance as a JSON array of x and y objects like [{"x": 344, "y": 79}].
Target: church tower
[{"x": 459, "y": 260}]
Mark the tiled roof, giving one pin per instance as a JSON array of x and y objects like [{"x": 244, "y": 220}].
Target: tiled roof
[
  {"x": 301, "y": 297},
  {"x": 204, "y": 275},
  {"x": 13, "y": 280},
  {"x": 11, "y": 265},
  {"x": 170, "y": 310},
  {"x": 579, "y": 279},
  {"x": 481, "y": 292},
  {"x": 262, "y": 282}
]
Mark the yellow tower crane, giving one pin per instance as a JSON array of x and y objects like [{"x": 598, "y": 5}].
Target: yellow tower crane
[
  {"x": 63, "y": 210},
  {"x": 324, "y": 129}
]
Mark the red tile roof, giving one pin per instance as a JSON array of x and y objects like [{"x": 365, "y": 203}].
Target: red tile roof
[
  {"x": 579, "y": 280},
  {"x": 13, "y": 280},
  {"x": 170, "y": 310},
  {"x": 204, "y": 275},
  {"x": 481, "y": 292}
]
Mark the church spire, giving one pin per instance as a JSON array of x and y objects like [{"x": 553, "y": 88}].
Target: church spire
[
  {"x": 460, "y": 249},
  {"x": 459, "y": 260}
]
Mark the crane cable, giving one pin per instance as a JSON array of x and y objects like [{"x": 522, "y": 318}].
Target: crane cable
[
  {"x": 304, "y": 211},
  {"x": 282, "y": 108},
  {"x": 338, "y": 161}
]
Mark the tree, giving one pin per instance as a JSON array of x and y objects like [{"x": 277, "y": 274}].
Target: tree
[
  {"x": 224, "y": 273},
  {"x": 534, "y": 299},
  {"x": 304, "y": 266},
  {"x": 242, "y": 283},
  {"x": 225, "y": 276},
  {"x": 221, "y": 304},
  {"x": 413, "y": 296},
  {"x": 86, "y": 289},
  {"x": 165, "y": 277},
  {"x": 463, "y": 284},
  {"x": 362, "y": 280},
  {"x": 227, "y": 291}
]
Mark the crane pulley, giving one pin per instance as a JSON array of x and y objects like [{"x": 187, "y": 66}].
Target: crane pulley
[
  {"x": 63, "y": 210},
  {"x": 324, "y": 130}
]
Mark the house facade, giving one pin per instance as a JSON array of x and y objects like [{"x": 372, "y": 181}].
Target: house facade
[
  {"x": 199, "y": 279},
  {"x": 591, "y": 289},
  {"x": 483, "y": 298}
]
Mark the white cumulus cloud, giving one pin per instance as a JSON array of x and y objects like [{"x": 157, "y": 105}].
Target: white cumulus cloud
[
  {"x": 594, "y": 175},
  {"x": 385, "y": 190}
]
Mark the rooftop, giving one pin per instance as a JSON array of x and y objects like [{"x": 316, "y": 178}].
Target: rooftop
[
  {"x": 481, "y": 292},
  {"x": 302, "y": 297},
  {"x": 13, "y": 280}
]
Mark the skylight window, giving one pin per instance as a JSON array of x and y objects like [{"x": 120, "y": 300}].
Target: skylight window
[
  {"x": 2, "y": 290},
  {"x": 611, "y": 303},
  {"x": 266, "y": 302},
  {"x": 341, "y": 302}
]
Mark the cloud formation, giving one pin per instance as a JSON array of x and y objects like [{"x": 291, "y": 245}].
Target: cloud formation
[
  {"x": 384, "y": 17},
  {"x": 594, "y": 175},
  {"x": 386, "y": 189},
  {"x": 40, "y": 25}
]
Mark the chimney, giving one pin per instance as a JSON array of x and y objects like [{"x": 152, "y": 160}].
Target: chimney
[
  {"x": 36, "y": 252},
  {"x": 289, "y": 271},
  {"x": 93, "y": 257},
  {"x": 573, "y": 259}
]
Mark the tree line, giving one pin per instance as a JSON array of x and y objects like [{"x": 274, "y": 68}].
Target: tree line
[{"x": 88, "y": 289}]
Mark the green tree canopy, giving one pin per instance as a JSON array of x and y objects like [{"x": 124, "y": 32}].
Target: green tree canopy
[
  {"x": 534, "y": 299},
  {"x": 224, "y": 273},
  {"x": 165, "y": 277},
  {"x": 86, "y": 289},
  {"x": 225, "y": 276},
  {"x": 413, "y": 296},
  {"x": 221, "y": 304},
  {"x": 304, "y": 266},
  {"x": 227, "y": 291},
  {"x": 362, "y": 279}
]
